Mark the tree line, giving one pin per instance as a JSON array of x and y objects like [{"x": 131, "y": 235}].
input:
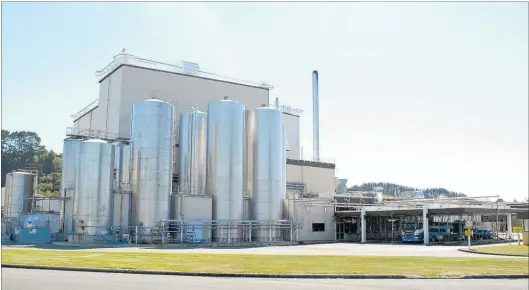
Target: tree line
[
  {"x": 395, "y": 189},
  {"x": 23, "y": 150}
]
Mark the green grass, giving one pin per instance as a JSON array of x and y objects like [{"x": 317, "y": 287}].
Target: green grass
[
  {"x": 264, "y": 264},
  {"x": 507, "y": 249}
]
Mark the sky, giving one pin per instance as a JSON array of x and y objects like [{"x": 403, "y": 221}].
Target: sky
[{"x": 421, "y": 94}]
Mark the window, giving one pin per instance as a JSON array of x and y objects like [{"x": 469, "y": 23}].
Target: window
[
  {"x": 526, "y": 225},
  {"x": 434, "y": 230},
  {"x": 409, "y": 226},
  {"x": 318, "y": 227}
]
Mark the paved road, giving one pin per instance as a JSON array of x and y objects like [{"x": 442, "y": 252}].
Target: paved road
[
  {"x": 16, "y": 279},
  {"x": 340, "y": 249}
]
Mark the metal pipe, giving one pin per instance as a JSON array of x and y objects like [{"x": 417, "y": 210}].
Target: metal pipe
[{"x": 315, "y": 116}]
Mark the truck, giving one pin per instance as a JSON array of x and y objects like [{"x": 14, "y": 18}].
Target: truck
[{"x": 414, "y": 232}]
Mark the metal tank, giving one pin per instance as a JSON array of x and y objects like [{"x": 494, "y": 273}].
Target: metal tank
[
  {"x": 122, "y": 171},
  {"x": 122, "y": 166},
  {"x": 225, "y": 165},
  {"x": 265, "y": 135},
  {"x": 19, "y": 188},
  {"x": 193, "y": 143},
  {"x": 284, "y": 160},
  {"x": 152, "y": 163},
  {"x": 93, "y": 193},
  {"x": 70, "y": 158}
]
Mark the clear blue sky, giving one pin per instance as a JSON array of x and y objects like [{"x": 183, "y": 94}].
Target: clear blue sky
[{"x": 421, "y": 94}]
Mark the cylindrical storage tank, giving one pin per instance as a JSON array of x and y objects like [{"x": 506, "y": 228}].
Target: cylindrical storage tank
[
  {"x": 284, "y": 161},
  {"x": 122, "y": 171},
  {"x": 123, "y": 166},
  {"x": 18, "y": 192},
  {"x": 193, "y": 143},
  {"x": 93, "y": 198},
  {"x": 225, "y": 165},
  {"x": 152, "y": 163},
  {"x": 265, "y": 133},
  {"x": 70, "y": 157}
]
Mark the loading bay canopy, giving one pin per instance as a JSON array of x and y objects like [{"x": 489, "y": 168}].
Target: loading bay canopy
[
  {"x": 423, "y": 209},
  {"x": 433, "y": 209}
]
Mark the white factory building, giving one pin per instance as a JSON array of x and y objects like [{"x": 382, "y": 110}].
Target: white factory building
[
  {"x": 129, "y": 79},
  {"x": 135, "y": 163}
]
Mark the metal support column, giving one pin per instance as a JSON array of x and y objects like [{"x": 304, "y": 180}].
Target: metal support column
[
  {"x": 509, "y": 226},
  {"x": 425, "y": 225},
  {"x": 363, "y": 224}
]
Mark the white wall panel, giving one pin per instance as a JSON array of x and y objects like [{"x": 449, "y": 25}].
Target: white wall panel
[
  {"x": 138, "y": 84},
  {"x": 298, "y": 210},
  {"x": 113, "y": 106},
  {"x": 85, "y": 121},
  {"x": 97, "y": 121},
  {"x": 317, "y": 179},
  {"x": 293, "y": 135}
]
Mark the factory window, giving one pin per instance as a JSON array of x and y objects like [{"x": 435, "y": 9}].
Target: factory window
[{"x": 318, "y": 227}]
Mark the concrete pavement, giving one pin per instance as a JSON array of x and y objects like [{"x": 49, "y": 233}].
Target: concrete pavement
[
  {"x": 15, "y": 279},
  {"x": 338, "y": 249}
]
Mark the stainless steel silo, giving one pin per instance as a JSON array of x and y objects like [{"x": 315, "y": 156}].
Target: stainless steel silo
[
  {"x": 122, "y": 198},
  {"x": 94, "y": 182},
  {"x": 284, "y": 161},
  {"x": 70, "y": 158},
  {"x": 123, "y": 166},
  {"x": 265, "y": 132},
  {"x": 152, "y": 162},
  {"x": 19, "y": 189},
  {"x": 225, "y": 165},
  {"x": 193, "y": 143}
]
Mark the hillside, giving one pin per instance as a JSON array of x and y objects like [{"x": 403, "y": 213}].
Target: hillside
[{"x": 394, "y": 189}]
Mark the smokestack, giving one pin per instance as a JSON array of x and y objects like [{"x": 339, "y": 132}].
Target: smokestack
[
  {"x": 315, "y": 117},
  {"x": 277, "y": 103}
]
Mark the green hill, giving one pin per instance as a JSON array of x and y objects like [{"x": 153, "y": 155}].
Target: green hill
[{"x": 394, "y": 189}]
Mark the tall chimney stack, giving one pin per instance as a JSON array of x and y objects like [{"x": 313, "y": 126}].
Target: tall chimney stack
[{"x": 315, "y": 117}]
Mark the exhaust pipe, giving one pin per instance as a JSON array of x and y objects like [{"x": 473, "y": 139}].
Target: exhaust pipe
[{"x": 315, "y": 117}]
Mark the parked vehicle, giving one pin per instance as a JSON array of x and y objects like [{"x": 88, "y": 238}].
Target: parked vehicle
[
  {"x": 414, "y": 232},
  {"x": 482, "y": 234}
]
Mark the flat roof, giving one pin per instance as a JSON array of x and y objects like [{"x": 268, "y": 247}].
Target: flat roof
[
  {"x": 309, "y": 163},
  {"x": 129, "y": 60}
]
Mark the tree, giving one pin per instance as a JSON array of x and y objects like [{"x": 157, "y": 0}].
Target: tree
[
  {"x": 50, "y": 184},
  {"x": 19, "y": 149},
  {"x": 394, "y": 189}
]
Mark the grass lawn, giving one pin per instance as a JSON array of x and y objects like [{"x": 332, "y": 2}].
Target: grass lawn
[
  {"x": 507, "y": 249},
  {"x": 261, "y": 264}
]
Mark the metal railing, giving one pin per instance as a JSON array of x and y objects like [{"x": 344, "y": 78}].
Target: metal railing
[
  {"x": 133, "y": 60},
  {"x": 319, "y": 160},
  {"x": 96, "y": 134},
  {"x": 191, "y": 232},
  {"x": 287, "y": 109},
  {"x": 86, "y": 109}
]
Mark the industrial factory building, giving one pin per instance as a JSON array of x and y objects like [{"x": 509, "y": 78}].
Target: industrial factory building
[
  {"x": 171, "y": 154},
  {"x": 188, "y": 147}
]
